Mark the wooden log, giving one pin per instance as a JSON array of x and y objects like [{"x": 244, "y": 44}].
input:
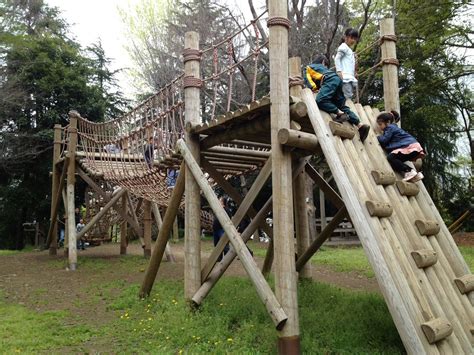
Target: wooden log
[
  {"x": 56, "y": 196},
  {"x": 163, "y": 234},
  {"x": 393, "y": 284},
  {"x": 123, "y": 228},
  {"x": 71, "y": 179},
  {"x": 263, "y": 289},
  {"x": 332, "y": 195},
  {"x": 343, "y": 131},
  {"x": 389, "y": 69},
  {"x": 117, "y": 195},
  {"x": 379, "y": 209},
  {"x": 239, "y": 151},
  {"x": 437, "y": 290},
  {"x": 285, "y": 272},
  {"x": 424, "y": 257},
  {"x": 220, "y": 268},
  {"x": 54, "y": 190},
  {"x": 298, "y": 139},
  {"x": 147, "y": 228},
  {"x": 66, "y": 231},
  {"x": 244, "y": 205},
  {"x": 437, "y": 329},
  {"x": 301, "y": 219},
  {"x": 407, "y": 188},
  {"x": 321, "y": 238},
  {"x": 192, "y": 224},
  {"x": 465, "y": 283},
  {"x": 241, "y": 130},
  {"x": 159, "y": 222},
  {"x": 383, "y": 177},
  {"x": 91, "y": 183},
  {"x": 426, "y": 227}
]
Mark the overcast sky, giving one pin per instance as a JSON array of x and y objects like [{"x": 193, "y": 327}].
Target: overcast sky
[{"x": 94, "y": 19}]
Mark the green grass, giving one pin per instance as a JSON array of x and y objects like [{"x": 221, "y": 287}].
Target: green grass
[
  {"x": 6, "y": 252},
  {"x": 354, "y": 259},
  {"x": 232, "y": 320},
  {"x": 24, "y": 330},
  {"x": 468, "y": 254}
]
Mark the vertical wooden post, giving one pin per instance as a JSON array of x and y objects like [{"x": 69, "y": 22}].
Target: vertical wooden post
[
  {"x": 71, "y": 180},
  {"x": 66, "y": 232},
  {"x": 123, "y": 227},
  {"x": 389, "y": 67},
  {"x": 301, "y": 213},
  {"x": 283, "y": 232},
  {"x": 175, "y": 230},
  {"x": 147, "y": 228},
  {"x": 192, "y": 224},
  {"x": 54, "y": 188}
]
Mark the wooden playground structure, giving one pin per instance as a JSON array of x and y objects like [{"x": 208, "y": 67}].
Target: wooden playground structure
[{"x": 425, "y": 282}]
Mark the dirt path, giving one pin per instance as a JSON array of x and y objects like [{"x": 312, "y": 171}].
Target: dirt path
[{"x": 42, "y": 282}]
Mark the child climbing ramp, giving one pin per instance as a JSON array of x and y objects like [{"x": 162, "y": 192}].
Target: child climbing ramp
[
  {"x": 400, "y": 145},
  {"x": 330, "y": 97}
]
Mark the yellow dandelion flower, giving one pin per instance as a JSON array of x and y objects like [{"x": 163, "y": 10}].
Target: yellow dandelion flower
[
  {"x": 167, "y": 338},
  {"x": 149, "y": 318},
  {"x": 230, "y": 340}
]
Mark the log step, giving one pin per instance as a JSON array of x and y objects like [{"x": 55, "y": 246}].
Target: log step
[
  {"x": 407, "y": 188},
  {"x": 427, "y": 227},
  {"x": 379, "y": 209},
  {"x": 383, "y": 177},
  {"x": 465, "y": 283},
  {"x": 437, "y": 329},
  {"x": 424, "y": 257},
  {"x": 343, "y": 131}
]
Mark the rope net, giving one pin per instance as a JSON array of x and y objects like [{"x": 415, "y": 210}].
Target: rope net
[{"x": 136, "y": 151}]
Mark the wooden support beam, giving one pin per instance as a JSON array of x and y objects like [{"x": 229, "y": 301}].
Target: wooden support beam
[
  {"x": 389, "y": 67},
  {"x": 239, "y": 151},
  {"x": 147, "y": 228},
  {"x": 298, "y": 139},
  {"x": 192, "y": 224},
  {"x": 163, "y": 234},
  {"x": 220, "y": 268},
  {"x": 55, "y": 198},
  {"x": 53, "y": 242},
  {"x": 332, "y": 195},
  {"x": 117, "y": 196},
  {"x": 263, "y": 289},
  {"x": 244, "y": 206},
  {"x": 123, "y": 227},
  {"x": 159, "y": 222},
  {"x": 71, "y": 179},
  {"x": 283, "y": 222},
  {"x": 321, "y": 238},
  {"x": 66, "y": 231},
  {"x": 134, "y": 212},
  {"x": 92, "y": 183}
]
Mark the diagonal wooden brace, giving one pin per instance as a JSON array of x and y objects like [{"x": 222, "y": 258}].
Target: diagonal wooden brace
[
  {"x": 245, "y": 207},
  {"x": 264, "y": 291},
  {"x": 56, "y": 198},
  {"x": 163, "y": 234}
]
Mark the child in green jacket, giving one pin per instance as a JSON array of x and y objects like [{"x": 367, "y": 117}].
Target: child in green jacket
[{"x": 330, "y": 97}]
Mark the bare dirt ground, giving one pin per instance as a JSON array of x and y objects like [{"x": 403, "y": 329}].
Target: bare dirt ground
[
  {"x": 464, "y": 239},
  {"x": 42, "y": 282}
]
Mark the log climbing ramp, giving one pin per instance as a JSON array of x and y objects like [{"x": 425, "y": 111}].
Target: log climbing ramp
[{"x": 220, "y": 119}]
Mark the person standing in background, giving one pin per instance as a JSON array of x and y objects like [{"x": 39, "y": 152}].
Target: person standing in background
[{"x": 346, "y": 63}]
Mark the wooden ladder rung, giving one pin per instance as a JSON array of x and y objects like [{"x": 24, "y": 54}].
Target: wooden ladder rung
[
  {"x": 379, "y": 209},
  {"x": 436, "y": 330},
  {"x": 424, "y": 257},
  {"x": 465, "y": 283},
  {"x": 427, "y": 227},
  {"x": 383, "y": 177},
  {"x": 407, "y": 188},
  {"x": 343, "y": 131}
]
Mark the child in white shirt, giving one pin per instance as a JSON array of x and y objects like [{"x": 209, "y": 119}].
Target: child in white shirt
[{"x": 345, "y": 63}]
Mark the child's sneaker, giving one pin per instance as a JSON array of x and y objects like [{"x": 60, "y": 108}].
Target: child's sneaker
[
  {"x": 364, "y": 132},
  {"x": 419, "y": 176},
  {"x": 409, "y": 175}
]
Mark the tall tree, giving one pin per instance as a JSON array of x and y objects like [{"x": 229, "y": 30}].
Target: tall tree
[{"x": 43, "y": 75}]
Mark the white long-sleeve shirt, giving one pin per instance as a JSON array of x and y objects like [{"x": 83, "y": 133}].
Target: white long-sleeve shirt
[{"x": 345, "y": 63}]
